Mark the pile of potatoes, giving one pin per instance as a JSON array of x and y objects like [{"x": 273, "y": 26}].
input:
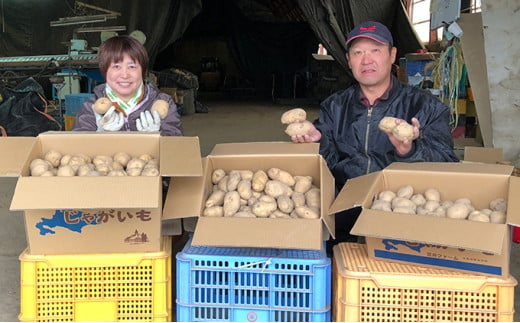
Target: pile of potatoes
[
  {"x": 274, "y": 193},
  {"x": 55, "y": 163},
  {"x": 406, "y": 200}
]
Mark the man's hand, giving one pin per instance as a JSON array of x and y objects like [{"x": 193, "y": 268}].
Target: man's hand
[
  {"x": 404, "y": 147},
  {"x": 148, "y": 123},
  {"x": 110, "y": 121},
  {"x": 313, "y": 135}
]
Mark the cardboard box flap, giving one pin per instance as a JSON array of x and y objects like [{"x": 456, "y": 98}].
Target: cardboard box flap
[
  {"x": 15, "y": 151},
  {"x": 483, "y": 154},
  {"x": 470, "y": 235},
  {"x": 327, "y": 197},
  {"x": 265, "y": 148},
  {"x": 354, "y": 193},
  {"x": 513, "y": 202},
  {"x": 442, "y": 167},
  {"x": 33, "y": 193},
  {"x": 184, "y": 197},
  {"x": 180, "y": 156},
  {"x": 304, "y": 235}
]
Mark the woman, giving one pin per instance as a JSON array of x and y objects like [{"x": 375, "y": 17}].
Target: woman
[{"x": 123, "y": 62}]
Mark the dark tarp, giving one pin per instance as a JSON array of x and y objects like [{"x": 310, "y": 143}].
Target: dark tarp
[
  {"x": 332, "y": 20},
  {"x": 261, "y": 48},
  {"x": 26, "y": 31}
]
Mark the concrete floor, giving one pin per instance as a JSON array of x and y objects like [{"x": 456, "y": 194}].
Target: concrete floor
[{"x": 243, "y": 121}]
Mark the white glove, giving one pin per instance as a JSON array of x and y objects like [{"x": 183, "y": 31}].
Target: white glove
[
  {"x": 111, "y": 121},
  {"x": 148, "y": 123}
]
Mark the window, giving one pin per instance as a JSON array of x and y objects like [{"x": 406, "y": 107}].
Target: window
[{"x": 419, "y": 12}]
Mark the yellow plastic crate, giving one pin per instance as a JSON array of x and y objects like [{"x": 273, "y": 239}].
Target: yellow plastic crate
[
  {"x": 368, "y": 290},
  {"x": 68, "y": 122},
  {"x": 97, "y": 287}
]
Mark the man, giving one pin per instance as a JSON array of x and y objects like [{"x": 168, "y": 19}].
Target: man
[{"x": 347, "y": 127}]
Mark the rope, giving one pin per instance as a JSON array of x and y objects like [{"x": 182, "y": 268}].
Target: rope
[{"x": 447, "y": 75}]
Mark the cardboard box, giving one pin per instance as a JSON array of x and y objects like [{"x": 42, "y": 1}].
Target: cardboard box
[
  {"x": 14, "y": 152},
  {"x": 298, "y": 159},
  {"x": 475, "y": 247},
  {"x": 75, "y": 215}
]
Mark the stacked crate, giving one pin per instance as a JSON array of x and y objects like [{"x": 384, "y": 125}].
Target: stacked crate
[
  {"x": 252, "y": 284},
  {"x": 379, "y": 291},
  {"x": 97, "y": 287},
  {"x": 72, "y": 104}
]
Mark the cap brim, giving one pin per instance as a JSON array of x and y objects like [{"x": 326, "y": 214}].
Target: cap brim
[{"x": 384, "y": 42}]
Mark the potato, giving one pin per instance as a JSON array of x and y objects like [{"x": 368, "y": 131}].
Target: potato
[
  {"x": 313, "y": 198},
  {"x": 146, "y": 157},
  {"x": 122, "y": 158},
  {"x": 478, "y": 216},
  {"x": 387, "y": 124},
  {"x": 84, "y": 169},
  {"x": 66, "y": 170},
  {"x": 404, "y": 209},
  {"x": 264, "y": 206},
  {"x": 387, "y": 196},
  {"x": 260, "y": 178},
  {"x": 498, "y": 205},
  {"x": 275, "y": 189},
  {"x": 458, "y": 211},
  {"x": 418, "y": 199},
  {"x": 381, "y": 205},
  {"x": 497, "y": 217},
  {"x": 233, "y": 179},
  {"x": 432, "y": 194},
  {"x": 401, "y": 202},
  {"x": 246, "y": 175},
  {"x": 53, "y": 157},
  {"x": 222, "y": 184},
  {"x": 102, "y": 105},
  {"x": 403, "y": 131},
  {"x": 231, "y": 203},
  {"x": 405, "y": 191},
  {"x": 285, "y": 204},
  {"x": 431, "y": 206},
  {"x": 298, "y": 199},
  {"x": 302, "y": 183},
  {"x": 298, "y": 128},
  {"x": 277, "y": 214},
  {"x": 306, "y": 212},
  {"x": 48, "y": 173},
  {"x": 244, "y": 189},
  {"x": 117, "y": 172},
  {"x": 438, "y": 212},
  {"x": 134, "y": 171},
  {"x": 244, "y": 214},
  {"x": 293, "y": 115},
  {"x": 102, "y": 159},
  {"x": 217, "y": 175},
  {"x": 65, "y": 159},
  {"x": 161, "y": 107},
  {"x": 150, "y": 171},
  {"x": 38, "y": 167},
  {"x": 213, "y": 211},
  {"x": 281, "y": 175},
  {"x": 136, "y": 163},
  {"x": 216, "y": 198}
]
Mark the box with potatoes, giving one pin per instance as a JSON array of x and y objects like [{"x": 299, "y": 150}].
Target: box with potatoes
[
  {"x": 446, "y": 215},
  {"x": 260, "y": 195},
  {"x": 92, "y": 192}
]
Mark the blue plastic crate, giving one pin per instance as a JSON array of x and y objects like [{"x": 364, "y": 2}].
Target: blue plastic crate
[
  {"x": 252, "y": 284},
  {"x": 74, "y": 101}
]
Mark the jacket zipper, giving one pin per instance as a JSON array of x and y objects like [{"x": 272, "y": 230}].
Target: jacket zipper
[{"x": 369, "y": 161}]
